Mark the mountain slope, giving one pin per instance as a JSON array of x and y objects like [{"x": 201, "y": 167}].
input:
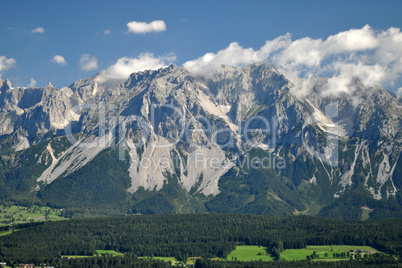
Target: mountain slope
[{"x": 166, "y": 141}]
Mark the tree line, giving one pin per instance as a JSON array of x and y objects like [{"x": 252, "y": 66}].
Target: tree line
[{"x": 191, "y": 235}]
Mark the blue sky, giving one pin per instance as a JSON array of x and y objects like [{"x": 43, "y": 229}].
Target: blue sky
[{"x": 97, "y": 33}]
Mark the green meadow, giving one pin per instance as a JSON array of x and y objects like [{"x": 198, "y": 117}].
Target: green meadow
[
  {"x": 109, "y": 252},
  {"x": 99, "y": 252},
  {"x": 301, "y": 254},
  {"x": 174, "y": 261},
  {"x": 256, "y": 253},
  {"x": 250, "y": 253},
  {"x": 12, "y": 215},
  {"x": 167, "y": 259}
]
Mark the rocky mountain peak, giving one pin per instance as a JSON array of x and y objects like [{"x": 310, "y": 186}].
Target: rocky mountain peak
[
  {"x": 181, "y": 121},
  {"x": 4, "y": 85},
  {"x": 49, "y": 86}
]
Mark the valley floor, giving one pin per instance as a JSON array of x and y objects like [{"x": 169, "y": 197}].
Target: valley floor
[{"x": 206, "y": 240}]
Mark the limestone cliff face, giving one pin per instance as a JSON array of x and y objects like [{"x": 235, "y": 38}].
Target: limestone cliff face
[
  {"x": 172, "y": 123},
  {"x": 36, "y": 110}
]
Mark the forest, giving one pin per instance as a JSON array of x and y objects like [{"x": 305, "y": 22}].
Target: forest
[
  {"x": 120, "y": 262},
  {"x": 192, "y": 235}
]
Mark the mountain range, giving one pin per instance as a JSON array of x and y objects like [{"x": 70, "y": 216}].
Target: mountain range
[{"x": 242, "y": 140}]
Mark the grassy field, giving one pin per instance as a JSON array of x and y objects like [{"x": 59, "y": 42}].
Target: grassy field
[
  {"x": 12, "y": 215},
  {"x": 6, "y": 232},
  {"x": 173, "y": 260},
  {"x": 301, "y": 254},
  {"x": 167, "y": 259},
  {"x": 192, "y": 260},
  {"x": 109, "y": 252},
  {"x": 256, "y": 253},
  {"x": 75, "y": 256},
  {"x": 113, "y": 253},
  {"x": 366, "y": 213},
  {"x": 250, "y": 253},
  {"x": 98, "y": 252}
]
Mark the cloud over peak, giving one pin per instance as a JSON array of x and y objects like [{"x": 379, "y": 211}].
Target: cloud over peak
[
  {"x": 138, "y": 27},
  {"x": 88, "y": 62},
  {"x": 125, "y": 66},
  {"x": 373, "y": 56},
  {"x": 32, "y": 83},
  {"x": 234, "y": 55}
]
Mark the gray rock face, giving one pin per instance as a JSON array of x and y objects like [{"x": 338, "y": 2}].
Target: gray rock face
[{"x": 171, "y": 122}]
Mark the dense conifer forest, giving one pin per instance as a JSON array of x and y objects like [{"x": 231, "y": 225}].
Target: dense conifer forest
[
  {"x": 117, "y": 262},
  {"x": 191, "y": 235}
]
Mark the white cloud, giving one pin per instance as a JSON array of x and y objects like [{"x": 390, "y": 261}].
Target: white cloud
[
  {"x": 144, "y": 27},
  {"x": 88, "y": 62},
  {"x": 6, "y": 63},
  {"x": 32, "y": 83},
  {"x": 351, "y": 40},
  {"x": 58, "y": 59},
  {"x": 39, "y": 30},
  {"x": 235, "y": 55},
  {"x": 399, "y": 92},
  {"x": 373, "y": 56},
  {"x": 122, "y": 69},
  {"x": 106, "y": 32}
]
